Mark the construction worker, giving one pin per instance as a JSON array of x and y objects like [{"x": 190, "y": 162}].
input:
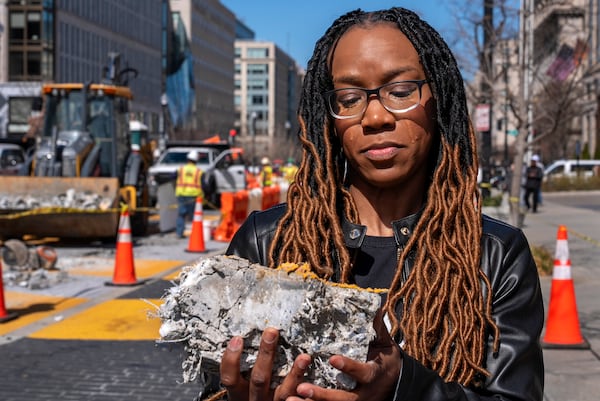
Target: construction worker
[
  {"x": 289, "y": 170},
  {"x": 266, "y": 173},
  {"x": 187, "y": 188}
]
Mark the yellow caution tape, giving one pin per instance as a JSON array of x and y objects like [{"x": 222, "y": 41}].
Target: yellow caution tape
[{"x": 66, "y": 210}]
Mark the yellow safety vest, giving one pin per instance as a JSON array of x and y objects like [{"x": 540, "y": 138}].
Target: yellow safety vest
[
  {"x": 289, "y": 172},
  {"x": 189, "y": 181},
  {"x": 266, "y": 176}
]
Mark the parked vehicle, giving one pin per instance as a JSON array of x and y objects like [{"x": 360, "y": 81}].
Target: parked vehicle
[
  {"x": 226, "y": 174},
  {"x": 12, "y": 159},
  {"x": 224, "y": 168},
  {"x": 166, "y": 166},
  {"x": 572, "y": 168}
]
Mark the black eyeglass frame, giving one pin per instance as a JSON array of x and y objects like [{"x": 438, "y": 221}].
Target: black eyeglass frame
[{"x": 375, "y": 91}]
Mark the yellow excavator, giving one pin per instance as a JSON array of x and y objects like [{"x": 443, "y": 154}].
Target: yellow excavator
[{"x": 83, "y": 169}]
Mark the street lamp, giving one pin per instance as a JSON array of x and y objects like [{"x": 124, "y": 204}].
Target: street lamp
[
  {"x": 506, "y": 65},
  {"x": 252, "y": 129}
]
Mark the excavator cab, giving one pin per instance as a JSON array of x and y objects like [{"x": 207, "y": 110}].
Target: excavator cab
[
  {"x": 84, "y": 167},
  {"x": 85, "y": 132}
]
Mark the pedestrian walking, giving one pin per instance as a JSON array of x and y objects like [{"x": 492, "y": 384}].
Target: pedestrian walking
[
  {"x": 533, "y": 184},
  {"x": 187, "y": 188},
  {"x": 386, "y": 197}
]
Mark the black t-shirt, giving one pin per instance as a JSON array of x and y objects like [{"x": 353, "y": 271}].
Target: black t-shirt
[{"x": 376, "y": 262}]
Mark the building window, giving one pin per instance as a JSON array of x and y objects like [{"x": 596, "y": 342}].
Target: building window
[
  {"x": 17, "y": 28},
  {"x": 257, "y": 99},
  {"x": 31, "y": 40},
  {"x": 34, "y": 27},
  {"x": 258, "y": 69},
  {"x": 34, "y": 65},
  {"x": 257, "y": 52},
  {"x": 254, "y": 84}
]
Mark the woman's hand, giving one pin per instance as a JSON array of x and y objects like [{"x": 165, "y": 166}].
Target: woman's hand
[
  {"x": 259, "y": 385},
  {"x": 376, "y": 378}
]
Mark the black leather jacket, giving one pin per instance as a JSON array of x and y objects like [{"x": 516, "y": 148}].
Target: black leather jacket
[{"x": 517, "y": 370}]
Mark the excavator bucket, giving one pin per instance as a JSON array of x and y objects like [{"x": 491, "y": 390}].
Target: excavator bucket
[{"x": 64, "y": 207}]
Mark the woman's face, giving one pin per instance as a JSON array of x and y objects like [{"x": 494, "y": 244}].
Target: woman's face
[{"x": 383, "y": 149}]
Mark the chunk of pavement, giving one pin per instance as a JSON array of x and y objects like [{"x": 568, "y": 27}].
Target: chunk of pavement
[{"x": 225, "y": 296}]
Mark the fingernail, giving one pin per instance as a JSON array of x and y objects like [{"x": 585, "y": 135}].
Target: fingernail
[
  {"x": 305, "y": 392},
  {"x": 269, "y": 336},
  {"x": 337, "y": 363},
  {"x": 302, "y": 364},
  {"x": 235, "y": 344}
]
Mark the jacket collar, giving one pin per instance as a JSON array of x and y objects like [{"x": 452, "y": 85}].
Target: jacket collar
[{"x": 354, "y": 234}]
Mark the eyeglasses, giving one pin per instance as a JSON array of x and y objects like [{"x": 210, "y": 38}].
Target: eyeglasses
[{"x": 396, "y": 97}]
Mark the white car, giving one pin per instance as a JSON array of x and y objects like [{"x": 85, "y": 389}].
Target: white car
[
  {"x": 572, "y": 168},
  {"x": 224, "y": 170}
]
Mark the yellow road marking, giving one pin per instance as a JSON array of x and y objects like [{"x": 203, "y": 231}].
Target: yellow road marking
[
  {"x": 32, "y": 307},
  {"x": 144, "y": 268},
  {"x": 118, "y": 319}
]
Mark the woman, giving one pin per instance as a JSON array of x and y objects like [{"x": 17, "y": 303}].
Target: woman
[{"x": 386, "y": 197}]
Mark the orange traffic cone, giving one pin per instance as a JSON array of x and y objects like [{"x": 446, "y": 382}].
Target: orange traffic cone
[
  {"x": 124, "y": 272},
  {"x": 5, "y": 316},
  {"x": 196, "y": 242},
  {"x": 562, "y": 325}
]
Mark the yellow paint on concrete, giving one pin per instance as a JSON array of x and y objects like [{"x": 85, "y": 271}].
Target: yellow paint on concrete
[
  {"x": 173, "y": 276},
  {"x": 143, "y": 268},
  {"x": 119, "y": 319},
  {"x": 32, "y": 307}
]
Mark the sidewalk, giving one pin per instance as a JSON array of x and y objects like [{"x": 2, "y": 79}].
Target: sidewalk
[{"x": 571, "y": 375}]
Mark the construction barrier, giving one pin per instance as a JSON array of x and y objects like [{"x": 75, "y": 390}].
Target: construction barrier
[
  {"x": 124, "y": 272},
  {"x": 562, "y": 325},
  {"x": 5, "y": 315},
  {"x": 234, "y": 210},
  {"x": 254, "y": 199},
  {"x": 196, "y": 241},
  {"x": 270, "y": 197}
]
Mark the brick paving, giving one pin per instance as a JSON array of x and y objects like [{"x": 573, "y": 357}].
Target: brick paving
[
  {"x": 47, "y": 369},
  {"x": 33, "y": 369}
]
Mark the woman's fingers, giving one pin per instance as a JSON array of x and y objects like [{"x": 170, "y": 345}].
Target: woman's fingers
[
  {"x": 231, "y": 379},
  {"x": 260, "y": 377},
  {"x": 296, "y": 376}
]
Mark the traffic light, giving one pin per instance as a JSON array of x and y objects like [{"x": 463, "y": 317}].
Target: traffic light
[{"x": 232, "y": 134}]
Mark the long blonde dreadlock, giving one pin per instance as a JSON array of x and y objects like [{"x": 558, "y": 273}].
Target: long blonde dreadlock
[{"x": 445, "y": 316}]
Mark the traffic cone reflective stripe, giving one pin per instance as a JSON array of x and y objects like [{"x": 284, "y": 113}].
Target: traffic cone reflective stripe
[
  {"x": 124, "y": 272},
  {"x": 562, "y": 325},
  {"x": 196, "y": 241},
  {"x": 5, "y": 316}
]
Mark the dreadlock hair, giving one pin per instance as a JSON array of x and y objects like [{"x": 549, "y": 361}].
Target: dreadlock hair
[{"x": 446, "y": 299}]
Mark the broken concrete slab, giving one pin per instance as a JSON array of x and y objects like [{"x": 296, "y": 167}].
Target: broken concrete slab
[{"x": 221, "y": 297}]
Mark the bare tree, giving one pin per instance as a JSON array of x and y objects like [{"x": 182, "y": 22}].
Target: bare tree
[{"x": 540, "y": 102}]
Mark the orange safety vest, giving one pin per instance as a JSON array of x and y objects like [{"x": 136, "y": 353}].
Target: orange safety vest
[{"x": 189, "y": 181}]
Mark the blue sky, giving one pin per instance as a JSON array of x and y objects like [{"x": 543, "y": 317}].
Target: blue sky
[{"x": 296, "y": 26}]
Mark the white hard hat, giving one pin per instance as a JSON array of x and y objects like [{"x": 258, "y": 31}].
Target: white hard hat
[
  {"x": 193, "y": 155},
  {"x": 265, "y": 160},
  {"x": 535, "y": 158},
  {"x": 135, "y": 147}
]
